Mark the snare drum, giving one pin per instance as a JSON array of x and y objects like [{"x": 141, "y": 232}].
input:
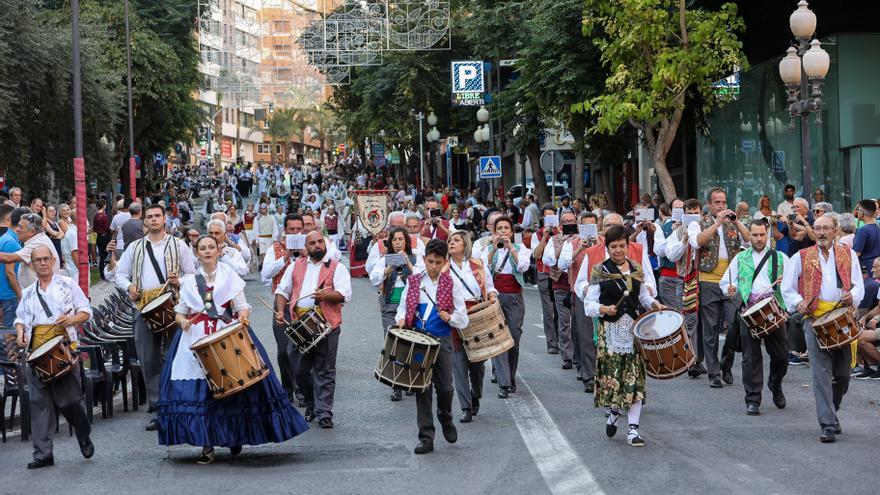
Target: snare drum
[
  {"x": 230, "y": 360},
  {"x": 54, "y": 359},
  {"x": 836, "y": 328},
  {"x": 663, "y": 343},
  {"x": 308, "y": 331},
  {"x": 487, "y": 334},
  {"x": 159, "y": 314},
  {"x": 765, "y": 317},
  {"x": 407, "y": 359}
]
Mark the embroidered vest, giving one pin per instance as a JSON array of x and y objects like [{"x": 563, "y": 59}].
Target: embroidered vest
[
  {"x": 709, "y": 252},
  {"x": 280, "y": 252},
  {"x": 438, "y": 232},
  {"x": 513, "y": 268},
  {"x": 810, "y": 281},
  {"x": 140, "y": 258},
  {"x": 747, "y": 273},
  {"x": 443, "y": 299},
  {"x": 332, "y": 312}
]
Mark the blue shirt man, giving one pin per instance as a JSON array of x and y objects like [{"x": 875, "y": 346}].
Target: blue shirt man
[{"x": 8, "y": 296}]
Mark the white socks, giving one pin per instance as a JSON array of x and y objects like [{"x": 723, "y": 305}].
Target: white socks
[{"x": 635, "y": 411}]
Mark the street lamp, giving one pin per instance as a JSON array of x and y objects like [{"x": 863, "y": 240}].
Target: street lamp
[
  {"x": 806, "y": 63},
  {"x": 483, "y": 115},
  {"x": 478, "y": 135},
  {"x": 421, "y": 118},
  {"x": 432, "y": 119}
]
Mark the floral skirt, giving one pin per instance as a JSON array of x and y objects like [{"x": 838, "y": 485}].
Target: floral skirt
[{"x": 620, "y": 377}]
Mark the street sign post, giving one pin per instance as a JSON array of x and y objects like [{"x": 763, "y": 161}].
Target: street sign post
[{"x": 490, "y": 167}]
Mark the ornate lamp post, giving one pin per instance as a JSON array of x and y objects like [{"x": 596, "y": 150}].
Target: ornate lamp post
[{"x": 806, "y": 63}]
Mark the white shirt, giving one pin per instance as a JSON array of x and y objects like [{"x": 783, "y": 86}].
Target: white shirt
[
  {"x": 470, "y": 280},
  {"x": 149, "y": 280},
  {"x": 377, "y": 274},
  {"x": 591, "y": 302},
  {"x": 458, "y": 318},
  {"x": 341, "y": 283},
  {"x": 675, "y": 246},
  {"x": 62, "y": 296},
  {"x": 523, "y": 262},
  {"x": 549, "y": 257},
  {"x": 582, "y": 281},
  {"x": 374, "y": 254},
  {"x": 785, "y": 208},
  {"x": 234, "y": 260},
  {"x": 116, "y": 225},
  {"x": 271, "y": 266},
  {"x": 659, "y": 240},
  {"x": 762, "y": 282},
  {"x": 68, "y": 245},
  {"x": 26, "y": 273},
  {"x": 828, "y": 291}
]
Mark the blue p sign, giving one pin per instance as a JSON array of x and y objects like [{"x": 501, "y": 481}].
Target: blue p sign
[{"x": 467, "y": 77}]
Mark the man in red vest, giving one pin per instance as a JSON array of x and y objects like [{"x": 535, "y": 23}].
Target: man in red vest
[{"x": 316, "y": 282}]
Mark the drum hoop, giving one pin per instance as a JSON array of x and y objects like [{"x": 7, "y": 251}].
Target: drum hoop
[
  {"x": 216, "y": 336},
  {"x": 754, "y": 308},
  {"x": 45, "y": 348},
  {"x": 644, "y": 316},
  {"x": 407, "y": 334},
  {"x": 156, "y": 302}
]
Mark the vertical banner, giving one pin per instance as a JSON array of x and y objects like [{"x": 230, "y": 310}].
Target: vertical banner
[{"x": 372, "y": 208}]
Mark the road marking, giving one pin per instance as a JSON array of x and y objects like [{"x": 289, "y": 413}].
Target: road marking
[{"x": 562, "y": 469}]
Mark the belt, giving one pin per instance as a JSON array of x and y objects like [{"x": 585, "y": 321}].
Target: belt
[
  {"x": 266, "y": 236},
  {"x": 299, "y": 310}
]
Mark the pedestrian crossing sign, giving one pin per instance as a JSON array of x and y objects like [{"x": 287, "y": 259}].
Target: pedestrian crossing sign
[{"x": 490, "y": 167}]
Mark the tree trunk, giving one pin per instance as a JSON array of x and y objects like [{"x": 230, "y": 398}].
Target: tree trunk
[
  {"x": 533, "y": 152},
  {"x": 667, "y": 186}
]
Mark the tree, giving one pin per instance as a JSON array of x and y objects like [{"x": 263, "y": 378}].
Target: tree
[
  {"x": 281, "y": 126},
  {"x": 661, "y": 56}
]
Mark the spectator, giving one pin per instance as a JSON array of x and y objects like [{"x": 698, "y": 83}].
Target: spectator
[
  {"x": 70, "y": 250},
  {"x": 847, "y": 229},
  {"x": 818, "y": 196},
  {"x": 122, "y": 215},
  {"x": 10, "y": 291},
  {"x": 30, "y": 232},
  {"x": 867, "y": 239},
  {"x": 820, "y": 208},
  {"x": 133, "y": 229},
  {"x": 37, "y": 206},
  {"x": 14, "y": 197},
  {"x": 786, "y": 207},
  {"x": 798, "y": 228},
  {"x": 105, "y": 235}
]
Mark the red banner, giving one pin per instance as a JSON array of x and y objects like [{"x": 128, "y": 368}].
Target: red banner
[{"x": 226, "y": 147}]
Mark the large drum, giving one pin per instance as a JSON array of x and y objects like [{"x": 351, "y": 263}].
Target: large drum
[
  {"x": 765, "y": 317},
  {"x": 308, "y": 331},
  {"x": 836, "y": 328},
  {"x": 487, "y": 334},
  {"x": 663, "y": 343},
  {"x": 407, "y": 360},
  {"x": 53, "y": 359},
  {"x": 158, "y": 314},
  {"x": 230, "y": 360}
]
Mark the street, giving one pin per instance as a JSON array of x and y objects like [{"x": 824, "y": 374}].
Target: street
[{"x": 547, "y": 438}]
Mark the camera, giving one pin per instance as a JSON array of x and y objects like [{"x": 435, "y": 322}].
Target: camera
[
  {"x": 732, "y": 217},
  {"x": 792, "y": 217},
  {"x": 500, "y": 244}
]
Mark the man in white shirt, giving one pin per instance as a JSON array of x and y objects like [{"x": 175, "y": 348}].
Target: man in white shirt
[
  {"x": 753, "y": 276},
  {"x": 118, "y": 221},
  {"x": 785, "y": 207},
  {"x": 560, "y": 287},
  {"x": 229, "y": 252}
]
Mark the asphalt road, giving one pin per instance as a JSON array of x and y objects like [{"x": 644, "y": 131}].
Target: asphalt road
[{"x": 547, "y": 438}]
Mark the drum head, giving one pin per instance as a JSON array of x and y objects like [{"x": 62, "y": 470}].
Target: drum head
[
  {"x": 413, "y": 336},
  {"x": 46, "y": 347},
  {"x": 155, "y": 303},
  {"x": 220, "y": 335},
  {"x": 758, "y": 305},
  {"x": 658, "y": 324}
]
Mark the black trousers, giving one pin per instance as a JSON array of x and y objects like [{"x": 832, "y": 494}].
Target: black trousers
[
  {"x": 732, "y": 344},
  {"x": 753, "y": 362},
  {"x": 441, "y": 380}
]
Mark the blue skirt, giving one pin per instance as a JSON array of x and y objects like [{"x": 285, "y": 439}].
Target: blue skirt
[{"x": 188, "y": 413}]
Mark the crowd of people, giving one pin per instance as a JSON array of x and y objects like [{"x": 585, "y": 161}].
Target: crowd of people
[{"x": 443, "y": 252}]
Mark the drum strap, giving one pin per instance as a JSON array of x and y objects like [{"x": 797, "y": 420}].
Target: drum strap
[
  {"x": 43, "y": 302},
  {"x": 762, "y": 263},
  {"x": 207, "y": 296},
  {"x": 149, "y": 249},
  {"x": 455, "y": 272}
]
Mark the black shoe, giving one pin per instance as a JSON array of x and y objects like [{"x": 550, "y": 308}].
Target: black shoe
[
  {"x": 779, "y": 399},
  {"x": 41, "y": 463},
  {"x": 475, "y": 405},
  {"x": 309, "y": 415},
  {"x": 153, "y": 425},
  {"x": 410, "y": 393},
  {"x": 449, "y": 432},
  {"x": 325, "y": 423},
  {"x": 693, "y": 372},
  {"x": 87, "y": 448},
  {"x": 207, "y": 456},
  {"x": 727, "y": 376},
  {"x": 611, "y": 428},
  {"x": 466, "y": 416},
  {"x": 151, "y": 409},
  {"x": 503, "y": 393},
  {"x": 493, "y": 379},
  {"x": 715, "y": 383},
  {"x": 752, "y": 410},
  {"x": 837, "y": 430},
  {"x": 827, "y": 435},
  {"x": 552, "y": 350},
  {"x": 702, "y": 369},
  {"x": 512, "y": 389},
  {"x": 396, "y": 395},
  {"x": 566, "y": 365},
  {"x": 235, "y": 450},
  {"x": 424, "y": 447},
  {"x": 588, "y": 387},
  {"x": 866, "y": 373}
]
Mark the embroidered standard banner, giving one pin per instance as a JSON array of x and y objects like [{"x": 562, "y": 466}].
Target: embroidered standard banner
[{"x": 372, "y": 209}]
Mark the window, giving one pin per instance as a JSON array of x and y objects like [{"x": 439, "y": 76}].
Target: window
[{"x": 264, "y": 149}]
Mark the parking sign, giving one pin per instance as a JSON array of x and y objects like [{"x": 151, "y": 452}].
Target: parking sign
[{"x": 467, "y": 77}]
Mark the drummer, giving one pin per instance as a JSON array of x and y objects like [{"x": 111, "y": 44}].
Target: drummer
[
  {"x": 614, "y": 295},
  {"x": 816, "y": 280},
  {"x": 474, "y": 276},
  {"x": 323, "y": 284},
  {"x": 143, "y": 271},
  {"x": 757, "y": 272},
  {"x": 435, "y": 305},
  {"x": 53, "y": 305},
  {"x": 211, "y": 300},
  {"x": 391, "y": 279},
  {"x": 507, "y": 261}
]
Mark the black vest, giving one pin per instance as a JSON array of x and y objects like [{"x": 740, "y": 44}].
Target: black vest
[
  {"x": 391, "y": 279},
  {"x": 611, "y": 291}
]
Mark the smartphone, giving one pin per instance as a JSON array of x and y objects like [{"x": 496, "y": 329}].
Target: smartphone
[
  {"x": 792, "y": 217},
  {"x": 570, "y": 229},
  {"x": 644, "y": 214}
]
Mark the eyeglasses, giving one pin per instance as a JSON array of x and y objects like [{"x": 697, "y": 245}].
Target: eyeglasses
[{"x": 818, "y": 211}]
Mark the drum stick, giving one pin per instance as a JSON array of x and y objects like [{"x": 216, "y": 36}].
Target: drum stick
[{"x": 276, "y": 313}]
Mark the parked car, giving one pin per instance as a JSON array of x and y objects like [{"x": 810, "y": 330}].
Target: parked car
[{"x": 516, "y": 190}]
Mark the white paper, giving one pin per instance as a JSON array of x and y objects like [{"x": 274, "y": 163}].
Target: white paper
[
  {"x": 644, "y": 214},
  {"x": 551, "y": 221},
  {"x": 295, "y": 241},
  {"x": 588, "y": 231},
  {"x": 677, "y": 213},
  {"x": 688, "y": 219},
  {"x": 396, "y": 259},
  {"x": 517, "y": 237}
]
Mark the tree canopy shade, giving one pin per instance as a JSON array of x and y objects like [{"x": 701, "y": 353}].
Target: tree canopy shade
[{"x": 661, "y": 56}]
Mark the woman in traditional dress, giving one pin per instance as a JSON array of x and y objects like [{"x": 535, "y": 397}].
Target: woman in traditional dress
[
  {"x": 391, "y": 279},
  {"x": 188, "y": 413},
  {"x": 477, "y": 281},
  {"x": 615, "y": 294}
]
